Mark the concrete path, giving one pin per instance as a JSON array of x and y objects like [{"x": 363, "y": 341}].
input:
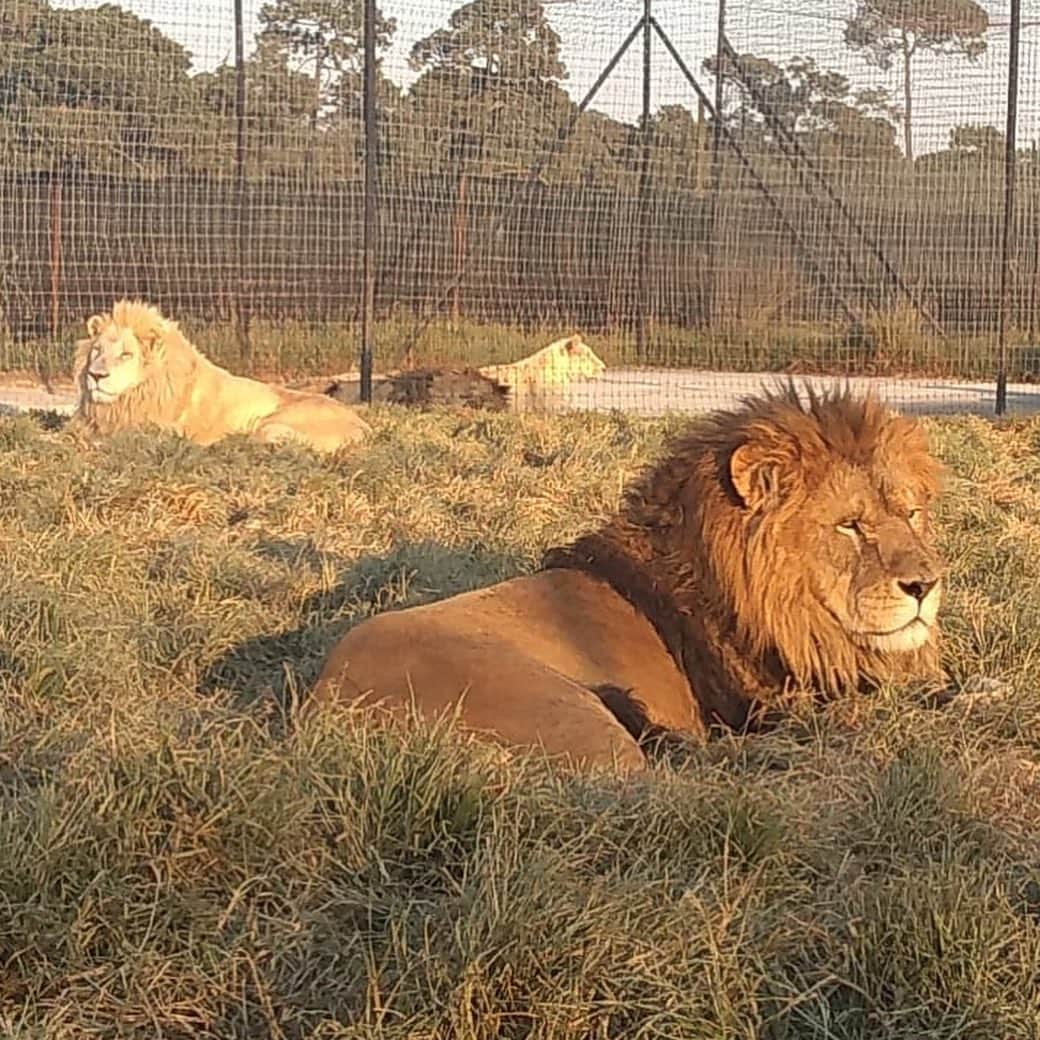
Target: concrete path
[
  {"x": 657, "y": 391},
  {"x": 21, "y": 398},
  {"x": 654, "y": 391}
]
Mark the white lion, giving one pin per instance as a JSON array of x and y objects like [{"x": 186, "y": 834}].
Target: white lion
[
  {"x": 137, "y": 369},
  {"x": 537, "y": 382}
]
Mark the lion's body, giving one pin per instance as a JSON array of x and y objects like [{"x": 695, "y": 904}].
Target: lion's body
[
  {"x": 527, "y": 652},
  {"x": 175, "y": 387},
  {"x": 538, "y": 382},
  {"x": 770, "y": 547},
  {"x": 428, "y": 388}
]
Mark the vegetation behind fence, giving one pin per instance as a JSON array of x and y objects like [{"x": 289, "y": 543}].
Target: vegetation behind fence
[{"x": 126, "y": 169}]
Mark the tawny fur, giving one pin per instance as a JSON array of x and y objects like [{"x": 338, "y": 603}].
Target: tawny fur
[
  {"x": 730, "y": 575},
  {"x": 183, "y": 391},
  {"x": 734, "y": 603}
]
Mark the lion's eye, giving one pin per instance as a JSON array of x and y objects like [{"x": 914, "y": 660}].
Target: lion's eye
[
  {"x": 126, "y": 355},
  {"x": 851, "y": 528},
  {"x": 913, "y": 514}
]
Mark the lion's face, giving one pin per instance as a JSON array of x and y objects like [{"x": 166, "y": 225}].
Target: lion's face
[
  {"x": 578, "y": 359},
  {"x": 567, "y": 359},
  {"x": 116, "y": 361},
  {"x": 847, "y": 522},
  {"x": 869, "y": 562}
]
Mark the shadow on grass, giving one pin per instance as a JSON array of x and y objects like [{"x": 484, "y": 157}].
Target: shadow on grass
[{"x": 284, "y": 665}]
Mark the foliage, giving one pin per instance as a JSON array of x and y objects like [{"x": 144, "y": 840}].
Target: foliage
[
  {"x": 511, "y": 40},
  {"x": 487, "y": 96},
  {"x": 99, "y": 98},
  {"x": 280, "y": 106},
  {"x": 100, "y": 86},
  {"x": 325, "y": 34},
  {"x": 817, "y": 105},
  {"x": 984, "y": 141},
  {"x": 886, "y": 29},
  {"x": 96, "y": 86}
]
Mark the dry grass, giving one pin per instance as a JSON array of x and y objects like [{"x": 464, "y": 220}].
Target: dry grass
[{"x": 177, "y": 860}]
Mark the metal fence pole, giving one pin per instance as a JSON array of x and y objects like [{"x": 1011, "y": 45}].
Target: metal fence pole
[
  {"x": 241, "y": 260},
  {"x": 56, "y": 206},
  {"x": 371, "y": 203},
  {"x": 711, "y": 249},
  {"x": 644, "y": 306},
  {"x": 1008, "y": 233}
]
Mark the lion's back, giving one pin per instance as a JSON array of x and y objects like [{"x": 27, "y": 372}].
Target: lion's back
[
  {"x": 325, "y": 423},
  {"x": 539, "y": 381}
]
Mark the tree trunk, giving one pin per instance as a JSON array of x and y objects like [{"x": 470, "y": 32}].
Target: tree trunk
[
  {"x": 459, "y": 237},
  {"x": 908, "y": 104},
  {"x": 318, "y": 61},
  {"x": 310, "y": 156}
]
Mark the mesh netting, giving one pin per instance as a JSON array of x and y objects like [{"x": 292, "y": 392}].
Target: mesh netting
[{"x": 843, "y": 216}]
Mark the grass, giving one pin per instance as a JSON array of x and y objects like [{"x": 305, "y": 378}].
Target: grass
[
  {"x": 891, "y": 343},
  {"x": 178, "y": 860}
]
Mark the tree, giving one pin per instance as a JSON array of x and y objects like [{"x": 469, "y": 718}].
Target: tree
[
  {"x": 489, "y": 90},
  {"x": 509, "y": 39},
  {"x": 487, "y": 96},
  {"x": 279, "y": 105},
  {"x": 987, "y": 142},
  {"x": 679, "y": 150},
  {"x": 885, "y": 29},
  {"x": 327, "y": 34},
  {"x": 96, "y": 86},
  {"x": 819, "y": 106},
  {"x": 598, "y": 153},
  {"x": 22, "y": 36}
]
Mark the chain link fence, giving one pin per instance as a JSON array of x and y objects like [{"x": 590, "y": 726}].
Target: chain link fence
[{"x": 707, "y": 191}]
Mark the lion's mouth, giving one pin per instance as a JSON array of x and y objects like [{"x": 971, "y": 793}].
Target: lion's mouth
[
  {"x": 912, "y": 632},
  {"x": 884, "y": 633},
  {"x": 902, "y": 639},
  {"x": 99, "y": 393}
]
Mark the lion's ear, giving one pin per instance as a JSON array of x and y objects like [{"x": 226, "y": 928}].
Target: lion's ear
[
  {"x": 151, "y": 340},
  {"x": 763, "y": 473},
  {"x": 95, "y": 323}
]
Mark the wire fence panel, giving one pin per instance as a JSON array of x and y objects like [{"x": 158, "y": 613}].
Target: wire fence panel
[
  {"x": 910, "y": 247},
  {"x": 544, "y": 167}
]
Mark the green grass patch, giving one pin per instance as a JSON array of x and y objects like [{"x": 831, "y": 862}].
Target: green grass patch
[{"x": 178, "y": 860}]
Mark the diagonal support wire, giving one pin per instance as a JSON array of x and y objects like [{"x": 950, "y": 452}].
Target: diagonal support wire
[
  {"x": 800, "y": 156},
  {"x": 760, "y": 184},
  {"x": 533, "y": 173}
]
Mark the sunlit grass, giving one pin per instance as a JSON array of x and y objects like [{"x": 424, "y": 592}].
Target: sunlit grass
[{"x": 177, "y": 859}]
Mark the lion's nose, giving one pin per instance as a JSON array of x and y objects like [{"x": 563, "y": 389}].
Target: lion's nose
[{"x": 918, "y": 589}]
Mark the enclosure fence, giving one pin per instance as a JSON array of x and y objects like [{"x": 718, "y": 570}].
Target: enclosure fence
[{"x": 701, "y": 189}]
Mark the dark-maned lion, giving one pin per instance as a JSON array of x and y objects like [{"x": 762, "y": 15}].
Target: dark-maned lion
[{"x": 778, "y": 544}]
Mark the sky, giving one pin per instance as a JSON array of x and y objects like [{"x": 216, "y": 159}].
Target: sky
[{"x": 948, "y": 91}]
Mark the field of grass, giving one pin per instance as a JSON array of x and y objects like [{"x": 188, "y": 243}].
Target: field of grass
[
  {"x": 890, "y": 344},
  {"x": 178, "y": 859}
]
